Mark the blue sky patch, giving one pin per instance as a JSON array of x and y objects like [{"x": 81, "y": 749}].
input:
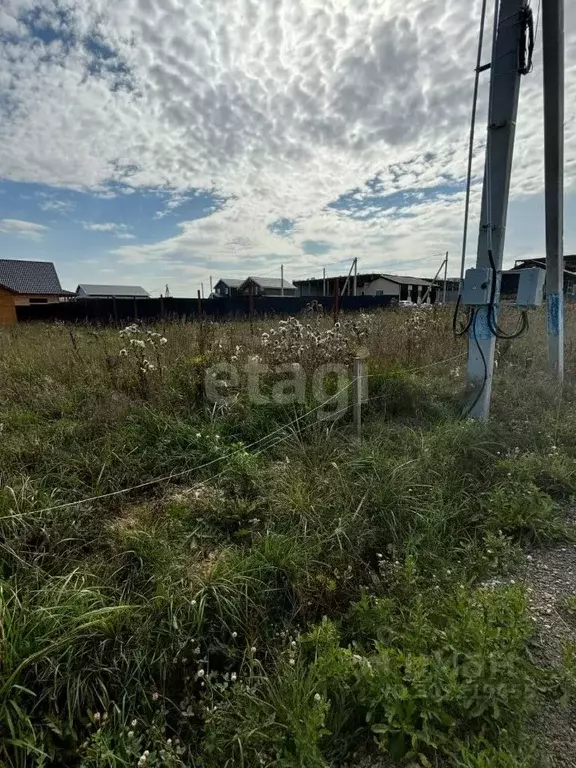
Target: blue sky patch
[
  {"x": 75, "y": 227},
  {"x": 316, "y": 247},
  {"x": 363, "y": 204},
  {"x": 283, "y": 227}
]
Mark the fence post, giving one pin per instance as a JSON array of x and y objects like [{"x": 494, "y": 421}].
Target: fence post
[
  {"x": 251, "y": 307},
  {"x": 336, "y": 305},
  {"x": 357, "y": 394}
]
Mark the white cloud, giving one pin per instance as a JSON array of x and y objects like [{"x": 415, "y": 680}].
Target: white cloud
[
  {"x": 280, "y": 107},
  {"x": 57, "y": 206},
  {"x": 120, "y": 230},
  {"x": 18, "y": 228}
]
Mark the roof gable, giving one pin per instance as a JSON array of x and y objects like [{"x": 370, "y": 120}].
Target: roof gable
[
  {"x": 30, "y": 277},
  {"x": 270, "y": 282},
  {"x": 231, "y": 282}
]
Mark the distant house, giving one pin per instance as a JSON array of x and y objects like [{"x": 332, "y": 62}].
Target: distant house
[
  {"x": 266, "y": 286},
  {"x": 400, "y": 287},
  {"x": 30, "y": 282},
  {"x": 85, "y": 291},
  {"x": 227, "y": 287},
  {"x": 511, "y": 277}
]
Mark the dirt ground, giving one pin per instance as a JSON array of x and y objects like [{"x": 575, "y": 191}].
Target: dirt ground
[{"x": 550, "y": 575}]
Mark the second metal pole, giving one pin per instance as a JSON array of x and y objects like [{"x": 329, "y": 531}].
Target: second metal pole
[{"x": 553, "y": 60}]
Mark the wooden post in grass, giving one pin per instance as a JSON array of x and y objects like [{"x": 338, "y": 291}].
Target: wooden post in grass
[
  {"x": 251, "y": 306},
  {"x": 357, "y": 390},
  {"x": 336, "y": 305}
]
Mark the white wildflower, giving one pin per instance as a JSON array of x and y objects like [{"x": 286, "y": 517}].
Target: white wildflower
[
  {"x": 155, "y": 696},
  {"x": 317, "y": 697},
  {"x": 123, "y": 353},
  {"x": 233, "y": 677},
  {"x": 234, "y": 635},
  {"x": 200, "y": 673},
  {"x": 163, "y": 341},
  {"x": 134, "y": 723},
  {"x": 292, "y": 662}
]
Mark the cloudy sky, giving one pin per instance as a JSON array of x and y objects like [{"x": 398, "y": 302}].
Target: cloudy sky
[{"x": 163, "y": 141}]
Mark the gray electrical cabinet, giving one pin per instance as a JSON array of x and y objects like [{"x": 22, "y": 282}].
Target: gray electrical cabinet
[
  {"x": 477, "y": 286},
  {"x": 531, "y": 287}
]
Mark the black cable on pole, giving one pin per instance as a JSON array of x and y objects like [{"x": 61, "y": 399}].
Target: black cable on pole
[
  {"x": 491, "y": 310},
  {"x": 526, "y": 47},
  {"x": 476, "y": 400}
]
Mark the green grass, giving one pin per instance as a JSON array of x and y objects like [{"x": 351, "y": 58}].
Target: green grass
[{"x": 302, "y": 598}]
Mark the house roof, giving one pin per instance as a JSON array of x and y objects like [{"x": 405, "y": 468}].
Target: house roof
[
  {"x": 537, "y": 264},
  {"x": 119, "y": 291},
  {"x": 362, "y": 279},
  {"x": 30, "y": 277},
  {"x": 270, "y": 282},
  {"x": 543, "y": 258},
  {"x": 231, "y": 282}
]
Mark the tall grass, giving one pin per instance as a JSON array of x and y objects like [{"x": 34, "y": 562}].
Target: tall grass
[{"x": 295, "y": 600}]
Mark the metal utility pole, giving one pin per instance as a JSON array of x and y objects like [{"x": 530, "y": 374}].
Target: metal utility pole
[
  {"x": 503, "y": 108},
  {"x": 324, "y": 282},
  {"x": 211, "y": 285},
  {"x": 355, "y": 289},
  {"x": 202, "y": 287},
  {"x": 282, "y": 280},
  {"x": 428, "y": 290},
  {"x": 445, "y": 279},
  {"x": 347, "y": 283},
  {"x": 553, "y": 60}
]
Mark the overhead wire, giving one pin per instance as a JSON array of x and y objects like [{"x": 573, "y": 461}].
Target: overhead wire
[{"x": 463, "y": 329}]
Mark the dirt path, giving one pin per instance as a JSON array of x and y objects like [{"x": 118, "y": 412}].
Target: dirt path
[{"x": 550, "y": 575}]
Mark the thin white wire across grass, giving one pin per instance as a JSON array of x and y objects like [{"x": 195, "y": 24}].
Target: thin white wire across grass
[{"x": 183, "y": 472}]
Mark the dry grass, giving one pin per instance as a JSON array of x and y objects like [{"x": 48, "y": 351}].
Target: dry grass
[{"x": 195, "y": 608}]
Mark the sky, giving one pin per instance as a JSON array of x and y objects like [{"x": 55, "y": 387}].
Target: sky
[{"x": 160, "y": 142}]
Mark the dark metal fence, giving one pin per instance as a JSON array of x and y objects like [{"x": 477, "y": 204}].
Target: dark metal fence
[{"x": 126, "y": 310}]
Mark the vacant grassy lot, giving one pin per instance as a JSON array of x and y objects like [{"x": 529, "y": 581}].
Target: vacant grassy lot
[{"x": 289, "y": 596}]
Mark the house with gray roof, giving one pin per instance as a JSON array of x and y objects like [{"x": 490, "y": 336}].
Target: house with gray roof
[
  {"x": 266, "y": 286},
  {"x": 86, "y": 291},
  {"x": 227, "y": 286},
  {"x": 31, "y": 282}
]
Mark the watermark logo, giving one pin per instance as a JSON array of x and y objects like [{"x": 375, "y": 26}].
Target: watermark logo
[{"x": 329, "y": 385}]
